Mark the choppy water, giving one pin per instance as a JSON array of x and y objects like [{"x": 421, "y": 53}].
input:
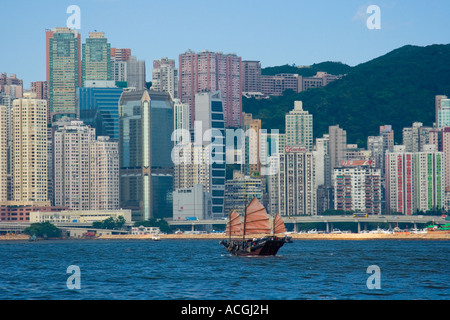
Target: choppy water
[{"x": 203, "y": 270}]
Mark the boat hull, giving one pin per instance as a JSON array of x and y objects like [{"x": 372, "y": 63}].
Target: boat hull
[{"x": 267, "y": 246}]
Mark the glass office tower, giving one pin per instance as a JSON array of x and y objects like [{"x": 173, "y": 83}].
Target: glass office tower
[
  {"x": 63, "y": 70},
  {"x": 146, "y": 167},
  {"x": 99, "y": 108}
]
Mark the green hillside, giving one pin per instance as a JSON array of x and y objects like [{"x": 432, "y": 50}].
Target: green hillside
[
  {"x": 398, "y": 88},
  {"x": 330, "y": 67}
]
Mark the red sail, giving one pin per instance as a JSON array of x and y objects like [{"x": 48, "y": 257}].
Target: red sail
[
  {"x": 278, "y": 224},
  {"x": 256, "y": 219},
  {"x": 234, "y": 225}
]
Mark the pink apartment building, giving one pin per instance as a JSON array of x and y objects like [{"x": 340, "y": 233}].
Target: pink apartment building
[{"x": 212, "y": 71}]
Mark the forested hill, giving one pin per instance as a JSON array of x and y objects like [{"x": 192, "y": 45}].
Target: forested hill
[{"x": 398, "y": 88}]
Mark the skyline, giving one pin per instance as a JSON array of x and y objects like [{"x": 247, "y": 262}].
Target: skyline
[{"x": 253, "y": 30}]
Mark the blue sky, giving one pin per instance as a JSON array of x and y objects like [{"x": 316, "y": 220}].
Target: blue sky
[{"x": 273, "y": 32}]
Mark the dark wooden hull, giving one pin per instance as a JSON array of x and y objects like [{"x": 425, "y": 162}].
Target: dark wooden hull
[{"x": 267, "y": 246}]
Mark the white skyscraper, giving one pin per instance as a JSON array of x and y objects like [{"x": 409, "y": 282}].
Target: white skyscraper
[
  {"x": 29, "y": 149},
  {"x": 299, "y": 127},
  {"x": 181, "y": 118}
]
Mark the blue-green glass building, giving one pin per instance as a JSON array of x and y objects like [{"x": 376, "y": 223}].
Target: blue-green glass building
[
  {"x": 99, "y": 108},
  {"x": 145, "y": 147}
]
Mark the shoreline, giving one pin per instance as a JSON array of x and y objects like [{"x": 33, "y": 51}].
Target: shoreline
[{"x": 435, "y": 235}]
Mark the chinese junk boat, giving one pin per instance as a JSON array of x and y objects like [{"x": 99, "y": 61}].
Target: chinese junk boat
[{"x": 256, "y": 222}]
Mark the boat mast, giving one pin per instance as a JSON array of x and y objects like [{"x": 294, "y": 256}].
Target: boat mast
[
  {"x": 245, "y": 218},
  {"x": 229, "y": 224}
]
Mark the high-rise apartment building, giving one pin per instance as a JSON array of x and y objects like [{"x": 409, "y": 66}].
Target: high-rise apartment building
[
  {"x": 181, "y": 118},
  {"x": 86, "y": 169},
  {"x": 96, "y": 63},
  {"x": 146, "y": 168},
  {"x": 29, "y": 149},
  {"x": 440, "y": 137},
  {"x": 415, "y": 137},
  {"x": 11, "y": 86},
  {"x": 357, "y": 187},
  {"x": 121, "y": 54},
  {"x": 337, "y": 146},
  {"x": 270, "y": 144},
  {"x": 63, "y": 70},
  {"x": 239, "y": 191},
  {"x": 3, "y": 155},
  {"x": 299, "y": 127},
  {"x": 210, "y": 71},
  {"x": 429, "y": 174},
  {"x": 209, "y": 114},
  {"x": 40, "y": 88},
  {"x": 165, "y": 77},
  {"x": 119, "y": 58},
  {"x": 400, "y": 181},
  {"x": 251, "y": 76},
  {"x": 252, "y": 130},
  {"x": 415, "y": 180},
  {"x": 136, "y": 73},
  {"x": 293, "y": 189}
]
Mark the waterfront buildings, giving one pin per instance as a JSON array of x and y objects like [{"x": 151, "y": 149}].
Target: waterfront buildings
[
  {"x": 19, "y": 211},
  {"x": 29, "y": 149},
  {"x": 86, "y": 169},
  {"x": 3, "y": 155},
  {"x": 96, "y": 63},
  {"x": 146, "y": 168},
  {"x": 440, "y": 137},
  {"x": 212, "y": 71},
  {"x": 203, "y": 161},
  {"x": 357, "y": 187},
  {"x": 192, "y": 203},
  {"x": 293, "y": 188},
  {"x": 209, "y": 115},
  {"x": 63, "y": 70},
  {"x": 240, "y": 190},
  {"x": 77, "y": 216},
  {"x": 415, "y": 181}
]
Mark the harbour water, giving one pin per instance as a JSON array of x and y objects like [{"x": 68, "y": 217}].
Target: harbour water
[{"x": 203, "y": 270}]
